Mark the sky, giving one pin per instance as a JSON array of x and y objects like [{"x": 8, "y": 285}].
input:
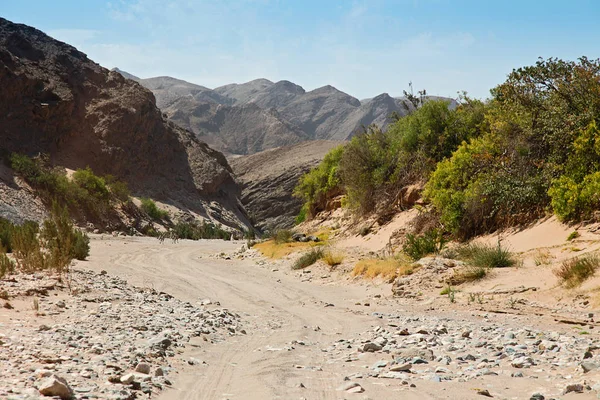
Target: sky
[{"x": 363, "y": 48}]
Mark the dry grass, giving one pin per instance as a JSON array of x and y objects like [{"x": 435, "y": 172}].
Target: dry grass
[
  {"x": 388, "y": 268},
  {"x": 273, "y": 249},
  {"x": 332, "y": 258},
  {"x": 542, "y": 257},
  {"x": 469, "y": 273},
  {"x": 575, "y": 271},
  {"x": 280, "y": 250}
]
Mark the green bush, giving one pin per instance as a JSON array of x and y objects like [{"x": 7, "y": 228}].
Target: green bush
[
  {"x": 150, "y": 208},
  {"x": 418, "y": 246},
  {"x": 319, "y": 185},
  {"x": 308, "y": 259},
  {"x": 94, "y": 185},
  {"x": 81, "y": 246},
  {"x": 87, "y": 195}
]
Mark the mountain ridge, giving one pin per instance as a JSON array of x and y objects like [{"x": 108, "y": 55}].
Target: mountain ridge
[{"x": 324, "y": 113}]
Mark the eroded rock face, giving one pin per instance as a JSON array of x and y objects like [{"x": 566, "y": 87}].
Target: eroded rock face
[
  {"x": 57, "y": 101},
  {"x": 268, "y": 180}
]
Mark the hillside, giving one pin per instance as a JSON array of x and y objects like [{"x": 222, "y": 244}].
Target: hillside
[
  {"x": 58, "y": 102},
  {"x": 243, "y": 129},
  {"x": 268, "y": 179},
  {"x": 286, "y": 113}
]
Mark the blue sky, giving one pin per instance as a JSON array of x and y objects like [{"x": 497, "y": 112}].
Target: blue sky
[{"x": 361, "y": 47}]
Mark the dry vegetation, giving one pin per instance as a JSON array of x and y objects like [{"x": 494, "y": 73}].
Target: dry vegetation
[
  {"x": 387, "y": 268},
  {"x": 575, "y": 271}
]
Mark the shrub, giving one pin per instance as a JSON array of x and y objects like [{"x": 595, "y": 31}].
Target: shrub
[
  {"x": 485, "y": 256},
  {"x": 81, "y": 246},
  {"x": 7, "y": 265},
  {"x": 204, "y": 230},
  {"x": 319, "y": 184},
  {"x": 150, "y": 208},
  {"x": 119, "y": 190},
  {"x": 418, "y": 246},
  {"x": 575, "y": 271},
  {"x": 94, "y": 185},
  {"x": 573, "y": 235},
  {"x": 332, "y": 259},
  {"x": 6, "y": 229},
  {"x": 308, "y": 259},
  {"x": 282, "y": 236}
]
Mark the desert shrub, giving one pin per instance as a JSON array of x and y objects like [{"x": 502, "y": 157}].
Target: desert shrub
[
  {"x": 94, "y": 185},
  {"x": 282, "y": 236},
  {"x": 332, "y": 258},
  {"x": 62, "y": 241},
  {"x": 85, "y": 195},
  {"x": 6, "y": 229},
  {"x": 81, "y": 246},
  {"x": 7, "y": 265},
  {"x": 197, "y": 231},
  {"x": 150, "y": 208},
  {"x": 418, "y": 246},
  {"x": 302, "y": 214},
  {"x": 319, "y": 184},
  {"x": 119, "y": 189},
  {"x": 308, "y": 259},
  {"x": 573, "y": 235},
  {"x": 576, "y": 270},
  {"x": 486, "y": 256}
]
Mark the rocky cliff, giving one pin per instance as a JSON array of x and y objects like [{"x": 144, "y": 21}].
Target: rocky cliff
[
  {"x": 268, "y": 179},
  {"x": 56, "y": 101}
]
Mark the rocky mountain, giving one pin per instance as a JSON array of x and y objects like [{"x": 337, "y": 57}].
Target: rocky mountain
[
  {"x": 57, "y": 101},
  {"x": 268, "y": 179},
  {"x": 286, "y": 113},
  {"x": 243, "y": 129}
]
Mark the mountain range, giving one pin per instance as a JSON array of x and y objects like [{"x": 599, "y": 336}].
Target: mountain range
[{"x": 254, "y": 116}]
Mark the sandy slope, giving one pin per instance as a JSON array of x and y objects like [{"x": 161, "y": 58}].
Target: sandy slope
[{"x": 278, "y": 308}]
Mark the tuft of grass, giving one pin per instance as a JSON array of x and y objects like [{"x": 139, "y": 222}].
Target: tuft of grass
[
  {"x": 418, "y": 246},
  {"x": 150, "y": 208},
  {"x": 274, "y": 250},
  {"x": 282, "y": 236},
  {"x": 573, "y": 235},
  {"x": 542, "y": 257},
  {"x": 575, "y": 271},
  {"x": 485, "y": 256},
  {"x": 332, "y": 259},
  {"x": 469, "y": 273},
  {"x": 308, "y": 259},
  {"x": 387, "y": 268}
]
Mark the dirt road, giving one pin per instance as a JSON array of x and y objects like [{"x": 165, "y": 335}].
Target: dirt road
[{"x": 289, "y": 351}]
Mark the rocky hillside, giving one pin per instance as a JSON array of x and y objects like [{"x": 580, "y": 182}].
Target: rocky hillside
[
  {"x": 273, "y": 113},
  {"x": 268, "y": 179},
  {"x": 243, "y": 129},
  {"x": 57, "y": 101}
]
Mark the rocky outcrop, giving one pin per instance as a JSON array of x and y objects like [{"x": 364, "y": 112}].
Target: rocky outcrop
[
  {"x": 268, "y": 179},
  {"x": 57, "y": 101}
]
